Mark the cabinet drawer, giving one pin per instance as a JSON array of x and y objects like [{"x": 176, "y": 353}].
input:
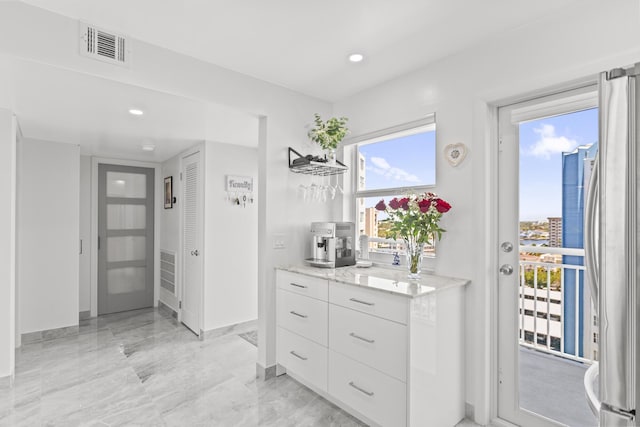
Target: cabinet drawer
[
  {"x": 303, "y": 315},
  {"x": 303, "y": 358},
  {"x": 377, "y": 303},
  {"x": 377, "y": 396},
  {"x": 376, "y": 342},
  {"x": 303, "y": 285}
]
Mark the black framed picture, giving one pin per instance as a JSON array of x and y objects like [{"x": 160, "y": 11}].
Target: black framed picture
[{"x": 168, "y": 192}]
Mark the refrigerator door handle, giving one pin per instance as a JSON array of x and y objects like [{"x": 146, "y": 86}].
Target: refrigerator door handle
[
  {"x": 590, "y": 380},
  {"x": 590, "y": 232}
]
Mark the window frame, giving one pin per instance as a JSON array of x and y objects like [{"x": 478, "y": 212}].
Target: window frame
[{"x": 426, "y": 124}]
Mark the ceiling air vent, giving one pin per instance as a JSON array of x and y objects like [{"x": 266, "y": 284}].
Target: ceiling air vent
[{"x": 103, "y": 45}]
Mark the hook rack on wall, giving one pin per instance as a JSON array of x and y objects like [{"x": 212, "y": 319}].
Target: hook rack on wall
[{"x": 239, "y": 190}]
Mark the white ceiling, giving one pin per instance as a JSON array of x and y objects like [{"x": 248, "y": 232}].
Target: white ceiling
[
  {"x": 298, "y": 44},
  {"x": 54, "y": 104},
  {"x": 303, "y": 45}
]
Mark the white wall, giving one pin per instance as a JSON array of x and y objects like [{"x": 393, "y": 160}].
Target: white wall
[
  {"x": 170, "y": 232},
  {"x": 569, "y": 45},
  {"x": 230, "y": 239},
  {"x": 85, "y": 234},
  {"x": 7, "y": 241},
  {"x": 48, "y": 234},
  {"x": 39, "y": 35}
]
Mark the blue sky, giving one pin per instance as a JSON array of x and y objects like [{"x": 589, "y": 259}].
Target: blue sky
[
  {"x": 410, "y": 161},
  {"x": 401, "y": 162},
  {"x": 541, "y": 145}
]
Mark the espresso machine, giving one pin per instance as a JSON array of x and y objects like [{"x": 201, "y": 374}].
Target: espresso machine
[{"x": 332, "y": 244}]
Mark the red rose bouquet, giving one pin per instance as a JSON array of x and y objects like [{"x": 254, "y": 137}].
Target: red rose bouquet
[{"x": 416, "y": 220}]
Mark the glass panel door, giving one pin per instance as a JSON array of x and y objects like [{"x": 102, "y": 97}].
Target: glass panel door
[
  {"x": 125, "y": 228},
  {"x": 545, "y": 317}
]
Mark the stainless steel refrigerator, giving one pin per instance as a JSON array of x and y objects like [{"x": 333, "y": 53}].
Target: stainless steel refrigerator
[{"x": 612, "y": 250}]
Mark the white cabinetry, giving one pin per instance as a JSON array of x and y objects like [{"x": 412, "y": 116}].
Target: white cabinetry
[
  {"x": 389, "y": 359},
  {"x": 302, "y": 332}
]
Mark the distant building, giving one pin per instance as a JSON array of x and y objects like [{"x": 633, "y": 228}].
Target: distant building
[
  {"x": 574, "y": 185},
  {"x": 551, "y": 258},
  {"x": 371, "y": 222},
  {"x": 555, "y": 232},
  {"x": 362, "y": 173}
]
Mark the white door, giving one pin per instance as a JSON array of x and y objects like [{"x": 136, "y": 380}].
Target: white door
[
  {"x": 544, "y": 317},
  {"x": 192, "y": 230}
]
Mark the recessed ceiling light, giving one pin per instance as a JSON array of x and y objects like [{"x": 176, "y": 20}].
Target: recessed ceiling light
[
  {"x": 136, "y": 112},
  {"x": 356, "y": 57},
  {"x": 148, "y": 147}
]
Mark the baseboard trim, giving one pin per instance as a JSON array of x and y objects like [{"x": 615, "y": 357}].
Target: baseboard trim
[
  {"x": 265, "y": 373},
  {"x": 7, "y": 382},
  {"x": 469, "y": 411},
  {"x": 49, "y": 334},
  {"x": 84, "y": 315},
  {"x": 237, "y": 328},
  {"x": 167, "y": 309}
]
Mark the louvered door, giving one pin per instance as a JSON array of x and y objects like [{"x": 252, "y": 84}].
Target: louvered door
[{"x": 192, "y": 242}]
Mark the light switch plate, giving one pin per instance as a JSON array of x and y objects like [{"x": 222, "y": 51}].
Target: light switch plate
[{"x": 279, "y": 241}]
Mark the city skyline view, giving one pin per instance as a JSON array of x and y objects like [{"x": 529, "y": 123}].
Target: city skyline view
[{"x": 542, "y": 143}]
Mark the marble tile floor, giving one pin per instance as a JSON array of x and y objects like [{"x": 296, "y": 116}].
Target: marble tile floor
[
  {"x": 142, "y": 368},
  {"x": 251, "y": 337}
]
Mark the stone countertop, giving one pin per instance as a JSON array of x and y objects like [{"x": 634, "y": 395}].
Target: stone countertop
[{"x": 394, "y": 281}]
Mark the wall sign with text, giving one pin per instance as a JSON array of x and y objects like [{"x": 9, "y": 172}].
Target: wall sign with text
[{"x": 239, "y": 190}]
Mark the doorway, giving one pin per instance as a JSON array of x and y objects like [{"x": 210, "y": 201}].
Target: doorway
[
  {"x": 125, "y": 238},
  {"x": 546, "y": 329}
]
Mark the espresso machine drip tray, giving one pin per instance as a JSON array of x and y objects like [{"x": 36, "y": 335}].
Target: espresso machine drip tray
[{"x": 320, "y": 263}]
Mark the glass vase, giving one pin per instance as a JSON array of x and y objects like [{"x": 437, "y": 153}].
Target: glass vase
[
  {"x": 414, "y": 252},
  {"x": 331, "y": 156}
]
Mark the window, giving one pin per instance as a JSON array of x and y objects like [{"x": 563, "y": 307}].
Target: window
[{"x": 391, "y": 164}]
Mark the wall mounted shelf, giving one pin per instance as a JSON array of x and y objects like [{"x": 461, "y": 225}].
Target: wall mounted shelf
[{"x": 305, "y": 165}]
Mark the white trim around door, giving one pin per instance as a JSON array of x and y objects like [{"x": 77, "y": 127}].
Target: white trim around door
[{"x": 158, "y": 186}]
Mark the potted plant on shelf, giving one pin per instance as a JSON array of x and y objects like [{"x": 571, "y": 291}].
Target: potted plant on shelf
[
  {"x": 415, "y": 219},
  {"x": 329, "y": 134}
]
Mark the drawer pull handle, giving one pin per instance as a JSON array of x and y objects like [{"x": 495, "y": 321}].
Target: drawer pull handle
[
  {"x": 304, "y": 316},
  {"x": 361, "y": 390},
  {"x": 298, "y": 356},
  {"x": 298, "y": 286},
  {"x": 359, "y": 301},
  {"x": 353, "y": 334}
]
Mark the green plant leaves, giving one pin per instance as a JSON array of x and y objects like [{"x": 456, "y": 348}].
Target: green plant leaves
[{"x": 330, "y": 133}]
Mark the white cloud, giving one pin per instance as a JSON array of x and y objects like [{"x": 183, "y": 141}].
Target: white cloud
[
  {"x": 381, "y": 163},
  {"x": 549, "y": 143},
  {"x": 382, "y": 167}
]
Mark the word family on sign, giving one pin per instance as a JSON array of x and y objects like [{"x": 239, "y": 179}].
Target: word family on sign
[{"x": 239, "y": 190}]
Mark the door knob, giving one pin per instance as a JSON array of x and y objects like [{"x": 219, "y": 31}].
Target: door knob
[
  {"x": 506, "y": 269},
  {"x": 506, "y": 247}
]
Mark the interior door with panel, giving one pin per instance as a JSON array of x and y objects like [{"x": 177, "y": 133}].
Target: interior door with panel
[
  {"x": 125, "y": 238},
  {"x": 192, "y": 230}
]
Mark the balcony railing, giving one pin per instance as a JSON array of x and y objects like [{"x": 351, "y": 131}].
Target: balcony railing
[
  {"x": 390, "y": 246},
  {"x": 542, "y": 302}
]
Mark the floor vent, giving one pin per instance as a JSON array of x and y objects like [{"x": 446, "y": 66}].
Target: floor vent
[
  {"x": 168, "y": 270},
  {"x": 103, "y": 45}
]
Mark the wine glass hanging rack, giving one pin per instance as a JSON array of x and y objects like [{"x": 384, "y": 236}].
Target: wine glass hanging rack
[{"x": 312, "y": 166}]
